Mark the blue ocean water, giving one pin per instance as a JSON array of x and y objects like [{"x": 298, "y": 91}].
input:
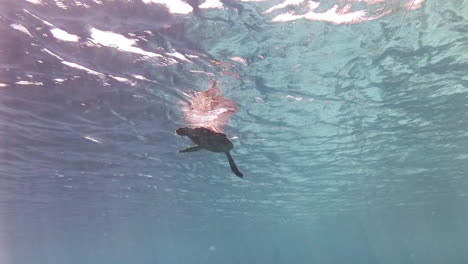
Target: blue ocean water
[{"x": 352, "y": 132}]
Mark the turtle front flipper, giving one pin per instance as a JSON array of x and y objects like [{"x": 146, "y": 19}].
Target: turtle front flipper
[
  {"x": 233, "y": 165},
  {"x": 191, "y": 149}
]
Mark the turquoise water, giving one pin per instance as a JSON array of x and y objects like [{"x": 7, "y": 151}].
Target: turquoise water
[{"x": 352, "y": 134}]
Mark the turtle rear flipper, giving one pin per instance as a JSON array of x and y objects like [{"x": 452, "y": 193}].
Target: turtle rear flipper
[
  {"x": 233, "y": 165},
  {"x": 191, "y": 149}
]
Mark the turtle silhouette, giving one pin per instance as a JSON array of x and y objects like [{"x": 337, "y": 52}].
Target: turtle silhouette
[{"x": 205, "y": 138}]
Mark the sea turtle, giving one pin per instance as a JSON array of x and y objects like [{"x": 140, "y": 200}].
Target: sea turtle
[{"x": 205, "y": 138}]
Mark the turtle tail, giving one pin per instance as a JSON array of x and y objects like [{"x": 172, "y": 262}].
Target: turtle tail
[{"x": 233, "y": 165}]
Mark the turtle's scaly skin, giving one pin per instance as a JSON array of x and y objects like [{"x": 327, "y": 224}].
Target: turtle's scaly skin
[{"x": 207, "y": 139}]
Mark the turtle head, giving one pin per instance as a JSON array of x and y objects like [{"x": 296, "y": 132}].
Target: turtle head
[{"x": 183, "y": 131}]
